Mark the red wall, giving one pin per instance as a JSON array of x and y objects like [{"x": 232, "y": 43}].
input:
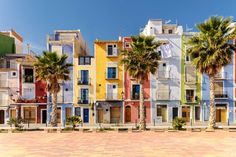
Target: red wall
[{"x": 127, "y": 93}]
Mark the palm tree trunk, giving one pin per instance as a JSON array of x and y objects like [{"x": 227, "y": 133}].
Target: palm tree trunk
[
  {"x": 142, "y": 123},
  {"x": 54, "y": 110},
  {"x": 212, "y": 118}
]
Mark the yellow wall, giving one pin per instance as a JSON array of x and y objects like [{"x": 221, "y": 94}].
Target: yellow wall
[
  {"x": 77, "y": 69},
  {"x": 101, "y": 65}
]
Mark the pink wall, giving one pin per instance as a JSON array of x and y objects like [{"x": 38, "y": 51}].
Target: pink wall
[{"x": 127, "y": 93}]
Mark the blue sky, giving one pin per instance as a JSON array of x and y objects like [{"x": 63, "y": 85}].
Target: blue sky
[{"x": 103, "y": 19}]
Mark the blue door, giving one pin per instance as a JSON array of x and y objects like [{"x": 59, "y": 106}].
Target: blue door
[{"x": 86, "y": 115}]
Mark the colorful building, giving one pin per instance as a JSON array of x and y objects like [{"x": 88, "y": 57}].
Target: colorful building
[
  {"x": 71, "y": 43},
  {"x": 21, "y": 95},
  {"x": 132, "y": 94},
  {"x": 84, "y": 78},
  {"x": 190, "y": 85},
  {"x": 109, "y": 81},
  {"x": 165, "y": 84}
]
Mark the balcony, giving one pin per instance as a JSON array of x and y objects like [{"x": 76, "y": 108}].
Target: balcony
[
  {"x": 163, "y": 74},
  {"x": 191, "y": 99},
  {"x": 221, "y": 95},
  {"x": 221, "y": 76},
  {"x": 28, "y": 79},
  {"x": 163, "y": 95},
  {"x": 135, "y": 96},
  {"x": 83, "y": 100},
  {"x": 84, "y": 81},
  {"x": 191, "y": 79},
  {"x": 111, "y": 96}
]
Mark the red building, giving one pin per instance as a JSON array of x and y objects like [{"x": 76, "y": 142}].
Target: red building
[
  {"x": 30, "y": 102},
  {"x": 132, "y": 94}
]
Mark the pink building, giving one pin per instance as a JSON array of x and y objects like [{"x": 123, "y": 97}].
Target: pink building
[{"x": 132, "y": 94}]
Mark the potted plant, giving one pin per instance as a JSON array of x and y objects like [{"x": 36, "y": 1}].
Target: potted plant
[
  {"x": 74, "y": 121},
  {"x": 178, "y": 123},
  {"x": 17, "y": 122}
]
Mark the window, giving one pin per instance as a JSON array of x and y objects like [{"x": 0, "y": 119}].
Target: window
[
  {"x": 190, "y": 95},
  {"x": 187, "y": 58},
  {"x": 135, "y": 92},
  {"x": 111, "y": 72},
  {"x": 77, "y": 111},
  {"x": 111, "y": 50},
  {"x": 28, "y": 75},
  {"x": 111, "y": 91},
  {"x": 127, "y": 45},
  {"x": 28, "y": 93},
  {"x": 84, "y": 77},
  {"x": 29, "y": 114},
  {"x": 162, "y": 113},
  {"x": 190, "y": 74},
  {"x": 197, "y": 113},
  {"x": 170, "y": 31},
  {"x": 163, "y": 92},
  {"x": 84, "y": 60},
  {"x": 84, "y": 96}
]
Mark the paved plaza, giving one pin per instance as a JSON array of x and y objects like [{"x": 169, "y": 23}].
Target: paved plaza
[{"x": 114, "y": 144}]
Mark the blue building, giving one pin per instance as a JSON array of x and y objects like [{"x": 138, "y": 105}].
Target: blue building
[
  {"x": 224, "y": 98},
  {"x": 71, "y": 43}
]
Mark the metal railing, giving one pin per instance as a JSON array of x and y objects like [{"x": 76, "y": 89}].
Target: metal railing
[
  {"x": 83, "y": 100},
  {"x": 135, "y": 96},
  {"x": 221, "y": 95},
  {"x": 191, "y": 98},
  {"x": 111, "y": 96},
  {"x": 82, "y": 81},
  {"x": 221, "y": 75}
]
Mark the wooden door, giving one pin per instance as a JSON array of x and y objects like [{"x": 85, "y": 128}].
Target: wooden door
[
  {"x": 127, "y": 114},
  {"x": 186, "y": 113},
  {"x": 58, "y": 115},
  {"x": 223, "y": 115},
  {"x": 2, "y": 115},
  {"x": 12, "y": 113},
  {"x": 100, "y": 115},
  {"x": 115, "y": 114}
]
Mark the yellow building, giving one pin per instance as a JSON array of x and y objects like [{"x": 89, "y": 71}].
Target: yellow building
[
  {"x": 84, "y": 77},
  {"x": 109, "y": 81}
]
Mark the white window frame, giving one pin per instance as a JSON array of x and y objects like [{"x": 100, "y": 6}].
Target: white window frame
[
  {"x": 116, "y": 84},
  {"x": 195, "y": 94},
  {"x": 113, "y": 45}
]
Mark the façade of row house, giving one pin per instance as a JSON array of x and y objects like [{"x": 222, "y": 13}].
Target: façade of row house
[
  {"x": 132, "y": 93},
  {"x": 71, "y": 43},
  {"x": 20, "y": 94}
]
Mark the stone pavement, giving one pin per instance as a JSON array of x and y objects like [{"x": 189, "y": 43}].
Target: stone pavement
[{"x": 114, "y": 144}]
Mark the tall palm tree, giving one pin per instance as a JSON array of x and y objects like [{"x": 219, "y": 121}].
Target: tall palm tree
[
  {"x": 52, "y": 69},
  {"x": 210, "y": 51},
  {"x": 140, "y": 61}
]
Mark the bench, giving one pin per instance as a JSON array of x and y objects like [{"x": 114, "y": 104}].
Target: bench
[
  {"x": 121, "y": 128},
  {"x": 87, "y": 128},
  {"x": 159, "y": 128},
  {"x": 195, "y": 128},
  {"x": 8, "y": 129},
  {"x": 47, "y": 129}
]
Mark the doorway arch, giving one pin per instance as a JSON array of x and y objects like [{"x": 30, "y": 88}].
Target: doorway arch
[{"x": 127, "y": 114}]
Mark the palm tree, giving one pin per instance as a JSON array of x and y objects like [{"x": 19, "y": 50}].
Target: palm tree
[
  {"x": 52, "y": 69},
  {"x": 141, "y": 60},
  {"x": 210, "y": 51}
]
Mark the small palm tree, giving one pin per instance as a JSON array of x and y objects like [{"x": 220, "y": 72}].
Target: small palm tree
[
  {"x": 52, "y": 69},
  {"x": 210, "y": 51},
  {"x": 140, "y": 61}
]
